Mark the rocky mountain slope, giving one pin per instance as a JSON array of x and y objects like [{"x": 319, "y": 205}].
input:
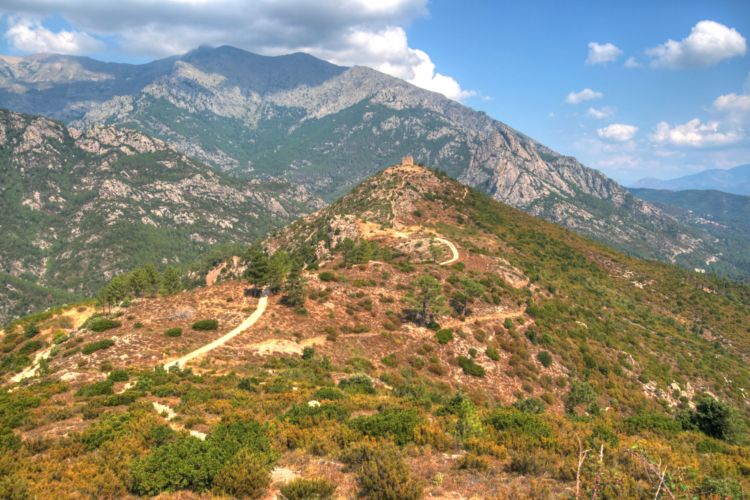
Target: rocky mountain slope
[
  {"x": 436, "y": 343},
  {"x": 79, "y": 207},
  {"x": 731, "y": 180},
  {"x": 327, "y": 127}
]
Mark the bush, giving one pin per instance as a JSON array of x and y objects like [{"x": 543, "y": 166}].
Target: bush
[
  {"x": 396, "y": 424},
  {"x": 716, "y": 419},
  {"x": 206, "y": 324},
  {"x": 304, "y": 415},
  {"x": 529, "y": 405},
  {"x": 118, "y": 376},
  {"x": 492, "y": 353},
  {"x": 470, "y": 367},
  {"x": 720, "y": 488},
  {"x": 653, "y": 422},
  {"x": 173, "y": 332},
  {"x": 31, "y": 346},
  {"x": 444, "y": 335},
  {"x": 98, "y": 345},
  {"x": 357, "y": 384},
  {"x": 185, "y": 463},
  {"x": 518, "y": 422},
  {"x": 246, "y": 475},
  {"x": 381, "y": 472},
  {"x": 580, "y": 393},
  {"x": 31, "y": 330},
  {"x": 330, "y": 393},
  {"x": 545, "y": 358},
  {"x": 101, "y": 388},
  {"x": 308, "y": 489},
  {"x": 100, "y": 323},
  {"x": 471, "y": 461},
  {"x": 328, "y": 276}
]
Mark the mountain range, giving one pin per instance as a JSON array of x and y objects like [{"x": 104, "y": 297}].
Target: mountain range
[
  {"x": 81, "y": 206},
  {"x": 732, "y": 180},
  {"x": 304, "y": 121}
]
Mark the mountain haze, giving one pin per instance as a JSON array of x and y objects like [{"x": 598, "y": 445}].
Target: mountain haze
[
  {"x": 732, "y": 180},
  {"x": 326, "y": 127}
]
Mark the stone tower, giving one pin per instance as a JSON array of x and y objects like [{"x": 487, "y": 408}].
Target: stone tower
[{"x": 407, "y": 161}]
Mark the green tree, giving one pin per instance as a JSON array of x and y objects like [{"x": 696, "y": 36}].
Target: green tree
[
  {"x": 258, "y": 264},
  {"x": 294, "y": 288},
  {"x": 171, "y": 282},
  {"x": 246, "y": 475},
  {"x": 468, "y": 292},
  {"x": 716, "y": 419},
  {"x": 137, "y": 282},
  {"x": 151, "y": 279},
  {"x": 427, "y": 299},
  {"x": 279, "y": 267}
]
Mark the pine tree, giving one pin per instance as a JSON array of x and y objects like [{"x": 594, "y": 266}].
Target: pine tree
[
  {"x": 279, "y": 267},
  {"x": 152, "y": 279},
  {"x": 294, "y": 288},
  {"x": 257, "y": 272},
  {"x": 427, "y": 300},
  {"x": 137, "y": 282},
  {"x": 170, "y": 281},
  {"x": 470, "y": 291}
]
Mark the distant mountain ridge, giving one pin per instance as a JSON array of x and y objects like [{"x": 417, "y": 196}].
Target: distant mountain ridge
[
  {"x": 327, "y": 127},
  {"x": 733, "y": 180}
]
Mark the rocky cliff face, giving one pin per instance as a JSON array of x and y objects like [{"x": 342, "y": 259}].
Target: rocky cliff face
[
  {"x": 327, "y": 127},
  {"x": 78, "y": 207}
]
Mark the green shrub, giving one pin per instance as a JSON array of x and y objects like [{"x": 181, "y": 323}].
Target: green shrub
[
  {"x": 98, "y": 345},
  {"x": 118, "y": 376},
  {"x": 652, "y": 422},
  {"x": 206, "y": 324},
  {"x": 381, "y": 472},
  {"x": 357, "y": 384},
  {"x": 183, "y": 464},
  {"x": 492, "y": 353},
  {"x": 471, "y": 461},
  {"x": 31, "y": 330},
  {"x": 508, "y": 323},
  {"x": 470, "y": 367},
  {"x": 529, "y": 405},
  {"x": 328, "y": 276},
  {"x": 305, "y": 415},
  {"x": 517, "y": 422},
  {"x": 246, "y": 475},
  {"x": 308, "y": 489},
  {"x": 545, "y": 358},
  {"x": 720, "y": 488},
  {"x": 580, "y": 393},
  {"x": 444, "y": 335},
  {"x": 174, "y": 332},
  {"x": 390, "y": 360},
  {"x": 100, "y": 323},
  {"x": 716, "y": 419},
  {"x": 330, "y": 393},
  {"x": 101, "y": 388},
  {"x": 393, "y": 423},
  {"x": 30, "y": 346}
]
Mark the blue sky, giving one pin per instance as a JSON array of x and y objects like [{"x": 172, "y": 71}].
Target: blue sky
[{"x": 681, "y": 103}]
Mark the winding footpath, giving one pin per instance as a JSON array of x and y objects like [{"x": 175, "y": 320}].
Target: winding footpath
[
  {"x": 454, "y": 251},
  {"x": 247, "y": 323}
]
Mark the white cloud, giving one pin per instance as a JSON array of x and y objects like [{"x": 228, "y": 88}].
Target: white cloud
[
  {"x": 600, "y": 113},
  {"x": 349, "y": 32},
  {"x": 694, "y": 133},
  {"x": 632, "y": 62},
  {"x": 618, "y": 132},
  {"x": 709, "y": 43},
  {"x": 602, "y": 53},
  {"x": 732, "y": 103},
  {"x": 584, "y": 95},
  {"x": 28, "y": 35}
]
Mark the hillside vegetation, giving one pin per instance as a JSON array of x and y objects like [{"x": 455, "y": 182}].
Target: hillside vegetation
[{"x": 536, "y": 364}]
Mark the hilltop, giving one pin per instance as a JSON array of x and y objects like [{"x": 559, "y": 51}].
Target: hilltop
[
  {"x": 414, "y": 328},
  {"x": 328, "y": 127}
]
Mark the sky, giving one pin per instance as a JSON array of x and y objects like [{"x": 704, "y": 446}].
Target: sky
[{"x": 632, "y": 88}]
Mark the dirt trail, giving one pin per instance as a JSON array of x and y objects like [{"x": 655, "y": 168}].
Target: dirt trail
[
  {"x": 32, "y": 370},
  {"x": 496, "y": 316},
  {"x": 454, "y": 251},
  {"x": 169, "y": 414},
  {"x": 247, "y": 323}
]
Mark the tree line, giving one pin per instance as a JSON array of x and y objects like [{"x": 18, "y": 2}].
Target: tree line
[{"x": 144, "y": 281}]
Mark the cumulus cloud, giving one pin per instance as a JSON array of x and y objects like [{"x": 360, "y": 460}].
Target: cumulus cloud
[
  {"x": 584, "y": 95},
  {"x": 602, "y": 53},
  {"x": 732, "y": 103},
  {"x": 632, "y": 62},
  {"x": 348, "y": 32},
  {"x": 617, "y": 132},
  {"x": 694, "y": 133},
  {"x": 600, "y": 113},
  {"x": 28, "y": 35},
  {"x": 709, "y": 43}
]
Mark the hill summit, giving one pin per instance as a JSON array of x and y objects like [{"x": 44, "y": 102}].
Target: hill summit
[{"x": 414, "y": 338}]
